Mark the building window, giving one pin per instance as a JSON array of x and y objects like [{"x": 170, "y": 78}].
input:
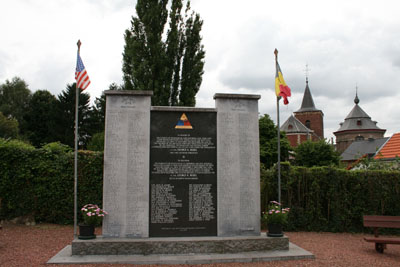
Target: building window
[
  {"x": 359, "y": 138},
  {"x": 359, "y": 122},
  {"x": 290, "y": 127},
  {"x": 308, "y": 124}
]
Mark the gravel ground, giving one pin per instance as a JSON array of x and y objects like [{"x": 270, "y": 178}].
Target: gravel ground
[{"x": 35, "y": 245}]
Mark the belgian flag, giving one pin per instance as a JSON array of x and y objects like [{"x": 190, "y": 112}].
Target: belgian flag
[{"x": 281, "y": 88}]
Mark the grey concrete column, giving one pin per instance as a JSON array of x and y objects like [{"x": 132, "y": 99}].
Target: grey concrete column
[
  {"x": 238, "y": 164},
  {"x": 126, "y": 164}
]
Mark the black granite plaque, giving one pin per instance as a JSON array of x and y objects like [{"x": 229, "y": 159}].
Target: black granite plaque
[{"x": 183, "y": 174}]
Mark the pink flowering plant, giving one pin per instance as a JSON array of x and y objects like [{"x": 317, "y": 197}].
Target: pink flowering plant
[
  {"x": 92, "y": 214},
  {"x": 275, "y": 214}
]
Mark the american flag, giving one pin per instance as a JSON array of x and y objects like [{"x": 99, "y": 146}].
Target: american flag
[{"x": 81, "y": 76}]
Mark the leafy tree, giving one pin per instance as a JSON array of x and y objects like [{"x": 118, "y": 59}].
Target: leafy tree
[
  {"x": 192, "y": 64},
  {"x": 66, "y": 116},
  {"x": 14, "y": 99},
  {"x": 319, "y": 153},
  {"x": 41, "y": 118},
  {"x": 171, "y": 68},
  {"x": 8, "y": 127},
  {"x": 269, "y": 142},
  {"x": 96, "y": 143}
]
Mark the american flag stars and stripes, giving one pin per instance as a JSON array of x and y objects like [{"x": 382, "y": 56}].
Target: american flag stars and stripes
[{"x": 81, "y": 76}]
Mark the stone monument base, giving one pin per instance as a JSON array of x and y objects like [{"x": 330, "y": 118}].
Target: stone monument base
[
  {"x": 293, "y": 253},
  {"x": 180, "y": 245}
]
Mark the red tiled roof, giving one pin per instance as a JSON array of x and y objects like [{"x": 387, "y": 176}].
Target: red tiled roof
[{"x": 391, "y": 149}]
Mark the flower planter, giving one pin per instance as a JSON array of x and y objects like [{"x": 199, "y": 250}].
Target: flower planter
[
  {"x": 275, "y": 217},
  {"x": 86, "y": 232},
  {"x": 274, "y": 230},
  {"x": 92, "y": 216}
]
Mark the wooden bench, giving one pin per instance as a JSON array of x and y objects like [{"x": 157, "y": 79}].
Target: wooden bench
[{"x": 377, "y": 222}]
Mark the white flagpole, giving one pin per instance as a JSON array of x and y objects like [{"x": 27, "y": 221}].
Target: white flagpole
[
  {"x": 76, "y": 154},
  {"x": 279, "y": 135}
]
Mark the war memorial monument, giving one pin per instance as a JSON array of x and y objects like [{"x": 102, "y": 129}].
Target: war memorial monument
[{"x": 181, "y": 185}]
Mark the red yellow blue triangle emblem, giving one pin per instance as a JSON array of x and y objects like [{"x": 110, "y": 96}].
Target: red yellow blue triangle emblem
[{"x": 183, "y": 123}]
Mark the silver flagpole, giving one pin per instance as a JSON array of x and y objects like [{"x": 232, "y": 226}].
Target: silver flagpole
[
  {"x": 279, "y": 152},
  {"x": 76, "y": 154},
  {"x": 279, "y": 135}
]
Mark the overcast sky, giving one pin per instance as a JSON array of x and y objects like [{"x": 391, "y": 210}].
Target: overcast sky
[{"x": 346, "y": 43}]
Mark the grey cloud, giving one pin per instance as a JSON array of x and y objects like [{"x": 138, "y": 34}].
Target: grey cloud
[
  {"x": 247, "y": 81},
  {"x": 396, "y": 62},
  {"x": 250, "y": 60},
  {"x": 51, "y": 76}
]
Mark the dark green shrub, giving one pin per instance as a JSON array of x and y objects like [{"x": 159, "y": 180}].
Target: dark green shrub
[
  {"x": 40, "y": 182},
  {"x": 332, "y": 199},
  {"x": 16, "y": 178}
]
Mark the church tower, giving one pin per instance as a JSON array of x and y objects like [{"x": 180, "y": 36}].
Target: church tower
[
  {"x": 356, "y": 126},
  {"x": 310, "y": 116}
]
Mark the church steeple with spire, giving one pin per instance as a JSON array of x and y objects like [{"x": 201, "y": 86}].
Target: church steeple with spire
[
  {"x": 309, "y": 115},
  {"x": 308, "y": 103},
  {"x": 307, "y": 122}
]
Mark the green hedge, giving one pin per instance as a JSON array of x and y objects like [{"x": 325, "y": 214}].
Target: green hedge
[
  {"x": 332, "y": 199},
  {"x": 40, "y": 182}
]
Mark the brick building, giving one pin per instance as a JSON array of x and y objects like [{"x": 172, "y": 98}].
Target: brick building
[
  {"x": 357, "y": 126},
  {"x": 296, "y": 132},
  {"x": 307, "y": 122}
]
